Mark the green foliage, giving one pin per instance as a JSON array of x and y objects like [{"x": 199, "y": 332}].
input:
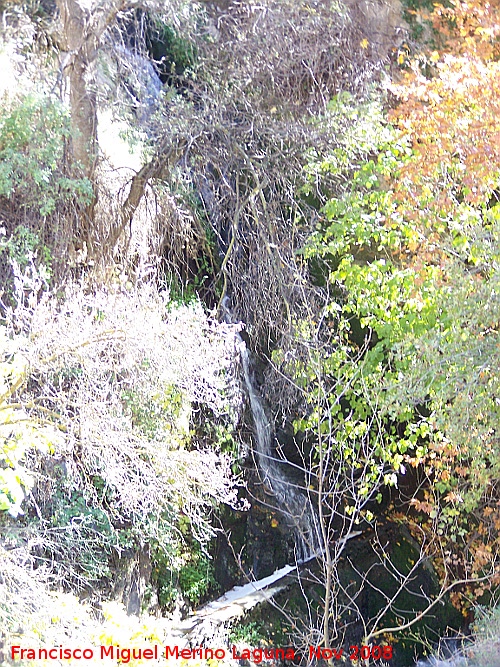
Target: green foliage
[
  {"x": 180, "y": 567},
  {"x": 452, "y": 367},
  {"x": 402, "y": 372},
  {"x": 223, "y": 439},
  {"x": 165, "y": 584},
  {"x": 360, "y": 130},
  {"x": 174, "y": 53},
  {"x": 19, "y": 430},
  {"x": 374, "y": 306},
  {"x": 196, "y": 577},
  {"x": 179, "y": 293},
  {"x": 155, "y": 414},
  {"x": 33, "y": 132},
  {"x": 416, "y": 14},
  {"x": 407, "y": 349},
  {"x": 253, "y": 633},
  {"x": 196, "y": 276},
  {"x": 87, "y": 536},
  {"x": 24, "y": 244}
]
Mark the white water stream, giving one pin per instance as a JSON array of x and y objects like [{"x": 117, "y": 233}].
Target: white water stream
[
  {"x": 292, "y": 501},
  {"x": 295, "y": 505}
]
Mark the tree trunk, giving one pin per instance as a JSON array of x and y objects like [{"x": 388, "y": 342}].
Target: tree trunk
[
  {"x": 83, "y": 118},
  {"x": 80, "y": 39},
  {"x": 82, "y": 26}
]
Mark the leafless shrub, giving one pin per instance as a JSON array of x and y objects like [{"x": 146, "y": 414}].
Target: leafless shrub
[
  {"x": 121, "y": 374},
  {"x": 293, "y": 53},
  {"x": 253, "y": 111},
  {"x": 31, "y": 614}
]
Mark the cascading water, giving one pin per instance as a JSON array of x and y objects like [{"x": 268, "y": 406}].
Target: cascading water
[
  {"x": 141, "y": 82},
  {"x": 291, "y": 500}
]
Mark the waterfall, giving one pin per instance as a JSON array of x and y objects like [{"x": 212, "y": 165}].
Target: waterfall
[
  {"x": 292, "y": 501},
  {"x": 140, "y": 81}
]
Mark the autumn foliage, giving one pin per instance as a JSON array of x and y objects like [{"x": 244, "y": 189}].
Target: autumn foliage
[
  {"x": 407, "y": 392},
  {"x": 450, "y": 107}
]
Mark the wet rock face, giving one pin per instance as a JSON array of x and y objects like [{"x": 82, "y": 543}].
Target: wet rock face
[
  {"x": 133, "y": 574},
  {"x": 290, "y": 498},
  {"x": 226, "y": 571},
  {"x": 259, "y": 539},
  {"x": 268, "y": 544},
  {"x": 382, "y": 576}
]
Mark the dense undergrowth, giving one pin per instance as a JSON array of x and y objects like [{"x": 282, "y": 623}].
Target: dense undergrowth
[
  {"x": 338, "y": 181},
  {"x": 118, "y": 490}
]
